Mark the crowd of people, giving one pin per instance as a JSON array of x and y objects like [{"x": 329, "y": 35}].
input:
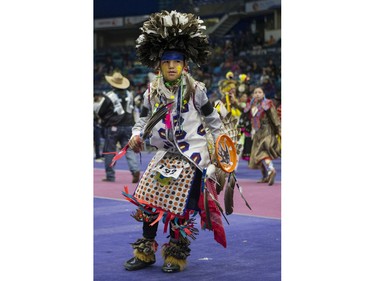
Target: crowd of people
[{"x": 184, "y": 111}]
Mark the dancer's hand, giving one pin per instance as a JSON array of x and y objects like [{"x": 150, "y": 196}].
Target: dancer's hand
[{"x": 136, "y": 143}]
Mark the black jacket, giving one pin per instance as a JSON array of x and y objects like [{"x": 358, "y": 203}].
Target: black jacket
[{"x": 112, "y": 115}]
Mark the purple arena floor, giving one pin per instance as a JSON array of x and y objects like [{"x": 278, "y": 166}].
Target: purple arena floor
[{"x": 253, "y": 236}]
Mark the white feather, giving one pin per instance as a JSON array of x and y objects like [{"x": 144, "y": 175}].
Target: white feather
[
  {"x": 149, "y": 31},
  {"x": 211, "y": 171},
  {"x": 183, "y": 19},
  {"x": 167, "y": 21}
]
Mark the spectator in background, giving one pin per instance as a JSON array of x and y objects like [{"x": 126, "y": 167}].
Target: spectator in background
[
  {"x": 244, "y": 124},
  {"x": 271, "y": 69},
  {"x": 255, "y": 71},
  {"x": 258, "y": 42},
  {"x": 109, "y": 64},
  {"x": 255, "y": 6},
  {"x": 271, "y": 41},
  {"x": 268, "y": 87},
  {"x": 97, "y": 128},
  {"x": 116, "y": 110}
]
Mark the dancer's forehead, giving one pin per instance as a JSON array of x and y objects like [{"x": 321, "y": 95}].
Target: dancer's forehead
[{"x": 172, "y": 55}]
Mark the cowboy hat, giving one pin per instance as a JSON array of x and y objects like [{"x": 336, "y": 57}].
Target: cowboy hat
[{"x": 117, "y": 80}]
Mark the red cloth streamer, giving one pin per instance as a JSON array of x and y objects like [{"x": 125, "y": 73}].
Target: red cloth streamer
[
  {"x": 120, "y": 154},
  {"x": 215, "y": 215},
  {"x": 161, "y": 213},
  {"x": 187, "y": 231},
  {"x": 126, "y": 189}
]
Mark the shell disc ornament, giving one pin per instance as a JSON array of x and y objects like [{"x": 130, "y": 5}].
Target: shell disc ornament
[{"x": 226, "y": 154}]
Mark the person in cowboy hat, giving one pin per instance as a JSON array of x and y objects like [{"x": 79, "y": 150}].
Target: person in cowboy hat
[
  {"x": 171, "y": 186},
  {"x": 116, "y": 112}
]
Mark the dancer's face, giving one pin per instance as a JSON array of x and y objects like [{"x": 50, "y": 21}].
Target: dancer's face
[
  {"x": 243, "y": 98},
  {"x": 171, "y": 69},
  {"x": 258, "y": 94}
]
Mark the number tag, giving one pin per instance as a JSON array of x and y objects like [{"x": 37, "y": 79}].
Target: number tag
[{"x": 173, "y": 172}]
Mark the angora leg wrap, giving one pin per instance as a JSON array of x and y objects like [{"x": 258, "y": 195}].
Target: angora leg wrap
[
  {"x": 176, "y": 252},
  {"x": 144, "y": 249}
]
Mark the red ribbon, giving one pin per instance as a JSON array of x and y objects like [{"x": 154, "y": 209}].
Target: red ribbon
[{"x": 118, "y": 155}]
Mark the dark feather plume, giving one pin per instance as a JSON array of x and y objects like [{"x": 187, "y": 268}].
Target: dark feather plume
[
  {"x": 155, "y": 118},
  {"x": 172, "y": 31},
  {"x": 228, "y": 196}
]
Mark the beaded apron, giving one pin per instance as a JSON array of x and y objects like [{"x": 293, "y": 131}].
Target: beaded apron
[{"x": 166, "y": 185}]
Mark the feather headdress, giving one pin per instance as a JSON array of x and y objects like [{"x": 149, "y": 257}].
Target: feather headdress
[
  {"x": 172, "y": 31},
  {"x": 225, "y": 85}
]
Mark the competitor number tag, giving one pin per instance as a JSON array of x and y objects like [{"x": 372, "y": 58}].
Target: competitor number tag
[{"x": 173, "y": 172}]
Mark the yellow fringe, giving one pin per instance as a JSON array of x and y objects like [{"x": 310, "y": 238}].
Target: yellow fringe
[
  {"x": 181, "y": 263},
  {"x": 143, "y": 257}
]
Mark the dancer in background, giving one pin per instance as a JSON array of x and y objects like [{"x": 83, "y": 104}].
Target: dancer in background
[
  {"x": 244, "y": 125},
  {"x": 229, "y": 95},
  {"x": 266, "y": 126}
]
